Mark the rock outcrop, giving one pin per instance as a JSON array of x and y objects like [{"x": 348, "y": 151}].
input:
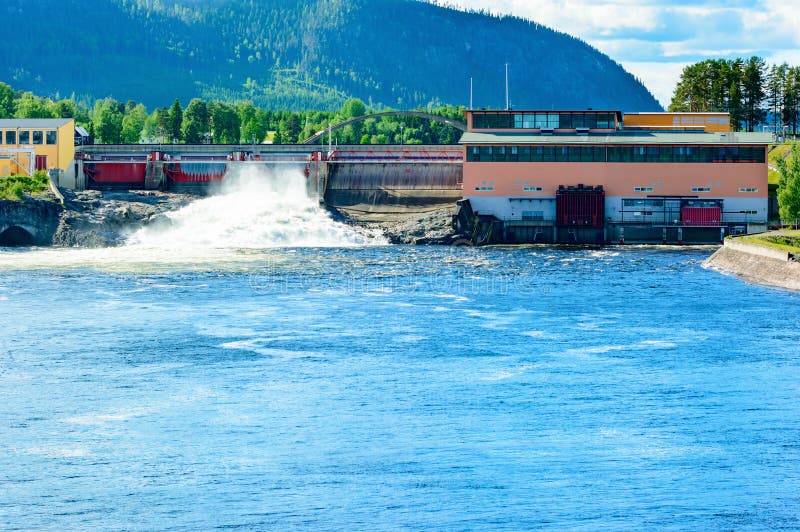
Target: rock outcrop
[
  {"x": 29, "y": 222},
  {"x": 101, "y": 219}
]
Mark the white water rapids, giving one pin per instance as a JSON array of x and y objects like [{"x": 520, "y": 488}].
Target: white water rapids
[{"x": 257, "y": 209}]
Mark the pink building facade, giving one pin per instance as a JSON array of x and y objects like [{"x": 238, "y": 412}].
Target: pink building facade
[{"x": 524, "y": 168}]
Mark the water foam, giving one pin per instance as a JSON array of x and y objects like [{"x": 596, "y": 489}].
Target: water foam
[{"x": 258, "y": 207}]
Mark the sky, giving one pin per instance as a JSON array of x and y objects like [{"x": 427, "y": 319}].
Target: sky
[{"x": 655, "y": 39}]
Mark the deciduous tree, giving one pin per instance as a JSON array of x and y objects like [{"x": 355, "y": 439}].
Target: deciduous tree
[
  {"x": 133, "y": 124},
  {"x": 789, "y": 185},
  {"x": 195, "y": 121},
  {"x": 6, "y": 101},
  {"x": 107, "y": 120},
  {"x": 30, "y": 106}
]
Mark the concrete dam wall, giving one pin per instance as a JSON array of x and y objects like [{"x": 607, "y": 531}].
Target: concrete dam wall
[{"x": 387, "y": 191}]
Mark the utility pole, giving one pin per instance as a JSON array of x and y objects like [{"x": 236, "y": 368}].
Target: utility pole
[
  {"x": 507, "y": 106},
  {"x": 470, "y": 93}
]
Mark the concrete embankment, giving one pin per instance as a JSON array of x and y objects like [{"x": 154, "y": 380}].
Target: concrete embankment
[{"x": 757, "y": 264}]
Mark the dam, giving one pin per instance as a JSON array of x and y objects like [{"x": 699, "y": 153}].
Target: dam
[
  {"x": 571, "y": 177},
  {"x": 368, "y": 183}
]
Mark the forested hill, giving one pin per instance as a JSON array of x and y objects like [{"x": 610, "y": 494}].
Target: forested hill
[{"x": 303, "y": 54}]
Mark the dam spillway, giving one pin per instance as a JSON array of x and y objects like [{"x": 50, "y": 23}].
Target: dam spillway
[{"x": 365, "y": 182}]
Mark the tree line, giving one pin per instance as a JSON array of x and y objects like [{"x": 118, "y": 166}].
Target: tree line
[
  {"x": 111, "y": 122},
  {"x": 752, "y": 91}
]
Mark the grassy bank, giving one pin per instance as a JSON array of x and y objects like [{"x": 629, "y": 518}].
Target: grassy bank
[
  {"x": 783, "y": 240},
  {"x": 780, "y": 152},
  {"x": 16, "y": 187}
]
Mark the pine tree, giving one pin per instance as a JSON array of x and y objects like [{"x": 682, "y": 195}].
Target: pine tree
[
  {"x": 175, "y": 121},
  {"x": 753, "y": 92}
]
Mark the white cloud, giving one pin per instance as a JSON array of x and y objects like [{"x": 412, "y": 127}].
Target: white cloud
[
  {"x": 655, "y": 39},
  {"x": 659, "y": 77}
]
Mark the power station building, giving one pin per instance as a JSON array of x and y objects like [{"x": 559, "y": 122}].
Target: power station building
[
  {"x": 584, "y": 176},
  {"x": 31, "y": 144}
]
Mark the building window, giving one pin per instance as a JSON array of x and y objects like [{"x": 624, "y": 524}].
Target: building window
[
  {"x": 533, "y": 215},
  {"x": 642, "y": 203},
  {"x": 532, "y": 189},
  {"x": 529, "y": 121},
  {"x": 605, "y": 121},
  {"x": 493, "y": 121},
  {"x": 52, "y": 137},
  {"x": 11, "y": 137},
  {"x": 24, "y": 137},
  {"x": 701, "y": 189},
  {"x": 484, "y": 189},
  {"x": 38, "y": 137},
  {"x": 642, "y": 189},
  {"x": 748, "y": 189}
]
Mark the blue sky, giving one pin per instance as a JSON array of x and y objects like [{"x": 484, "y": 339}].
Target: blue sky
[{"x": 655, "y": 39}]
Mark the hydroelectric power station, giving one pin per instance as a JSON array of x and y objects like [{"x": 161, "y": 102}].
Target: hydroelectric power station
[{"x": 518, "y": 176}]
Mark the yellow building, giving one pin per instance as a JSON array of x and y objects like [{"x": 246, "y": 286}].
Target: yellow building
[
  {"x": 30, "y": 144},
  {"x": 708, "y": 122}
]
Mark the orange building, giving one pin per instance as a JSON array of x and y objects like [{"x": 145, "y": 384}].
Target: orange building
[
  {"x": 710, "y": 122},
  {"x": 579, "y": 176},
  {"x": 30, "y": 144}
]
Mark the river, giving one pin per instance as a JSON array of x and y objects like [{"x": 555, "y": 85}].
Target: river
[{"x": 345, "y": 384}]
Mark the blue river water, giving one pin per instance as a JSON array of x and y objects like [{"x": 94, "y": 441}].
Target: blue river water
[{"x": 392, "y": 387}]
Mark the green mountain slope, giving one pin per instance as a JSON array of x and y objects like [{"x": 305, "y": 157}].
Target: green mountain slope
[{"x": 299, "y": 54}]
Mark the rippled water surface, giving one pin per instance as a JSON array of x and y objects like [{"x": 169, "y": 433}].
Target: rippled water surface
[{"x": 396, "y": 387}]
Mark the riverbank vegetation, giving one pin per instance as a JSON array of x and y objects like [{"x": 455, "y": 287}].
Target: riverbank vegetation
[
  {"x": 16, "y": 187},
  {"x": 201, "y": 121},
  {"x": 789, "y": 185},
  {"x": 779, "y": 152},
  {"x": 783, "y": 240}
]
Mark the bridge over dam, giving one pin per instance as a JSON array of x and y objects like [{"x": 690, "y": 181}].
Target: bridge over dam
[{"x": 366, "y": 182}]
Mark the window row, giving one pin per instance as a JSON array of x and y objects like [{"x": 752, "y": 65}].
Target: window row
[
  {"x": 11, "y": 138},
  {"x": 543, "y": 120},
  {"x": 616, "y": 154}
]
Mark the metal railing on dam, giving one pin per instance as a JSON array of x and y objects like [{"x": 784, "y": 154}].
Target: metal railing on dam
[{"x": 224, "y": 149}]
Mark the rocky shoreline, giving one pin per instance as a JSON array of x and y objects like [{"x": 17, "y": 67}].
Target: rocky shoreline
[
  {"x": 417, "y": 228},
  {"x": 93, "y": 218},
  {"x": 89, "y": 219}
]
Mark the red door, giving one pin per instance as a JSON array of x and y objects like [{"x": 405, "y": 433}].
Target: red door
[{"x": 41, "y": 162}]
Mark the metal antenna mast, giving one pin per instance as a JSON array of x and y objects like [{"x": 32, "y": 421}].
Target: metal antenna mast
[{"x": 507, "y": 106}]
